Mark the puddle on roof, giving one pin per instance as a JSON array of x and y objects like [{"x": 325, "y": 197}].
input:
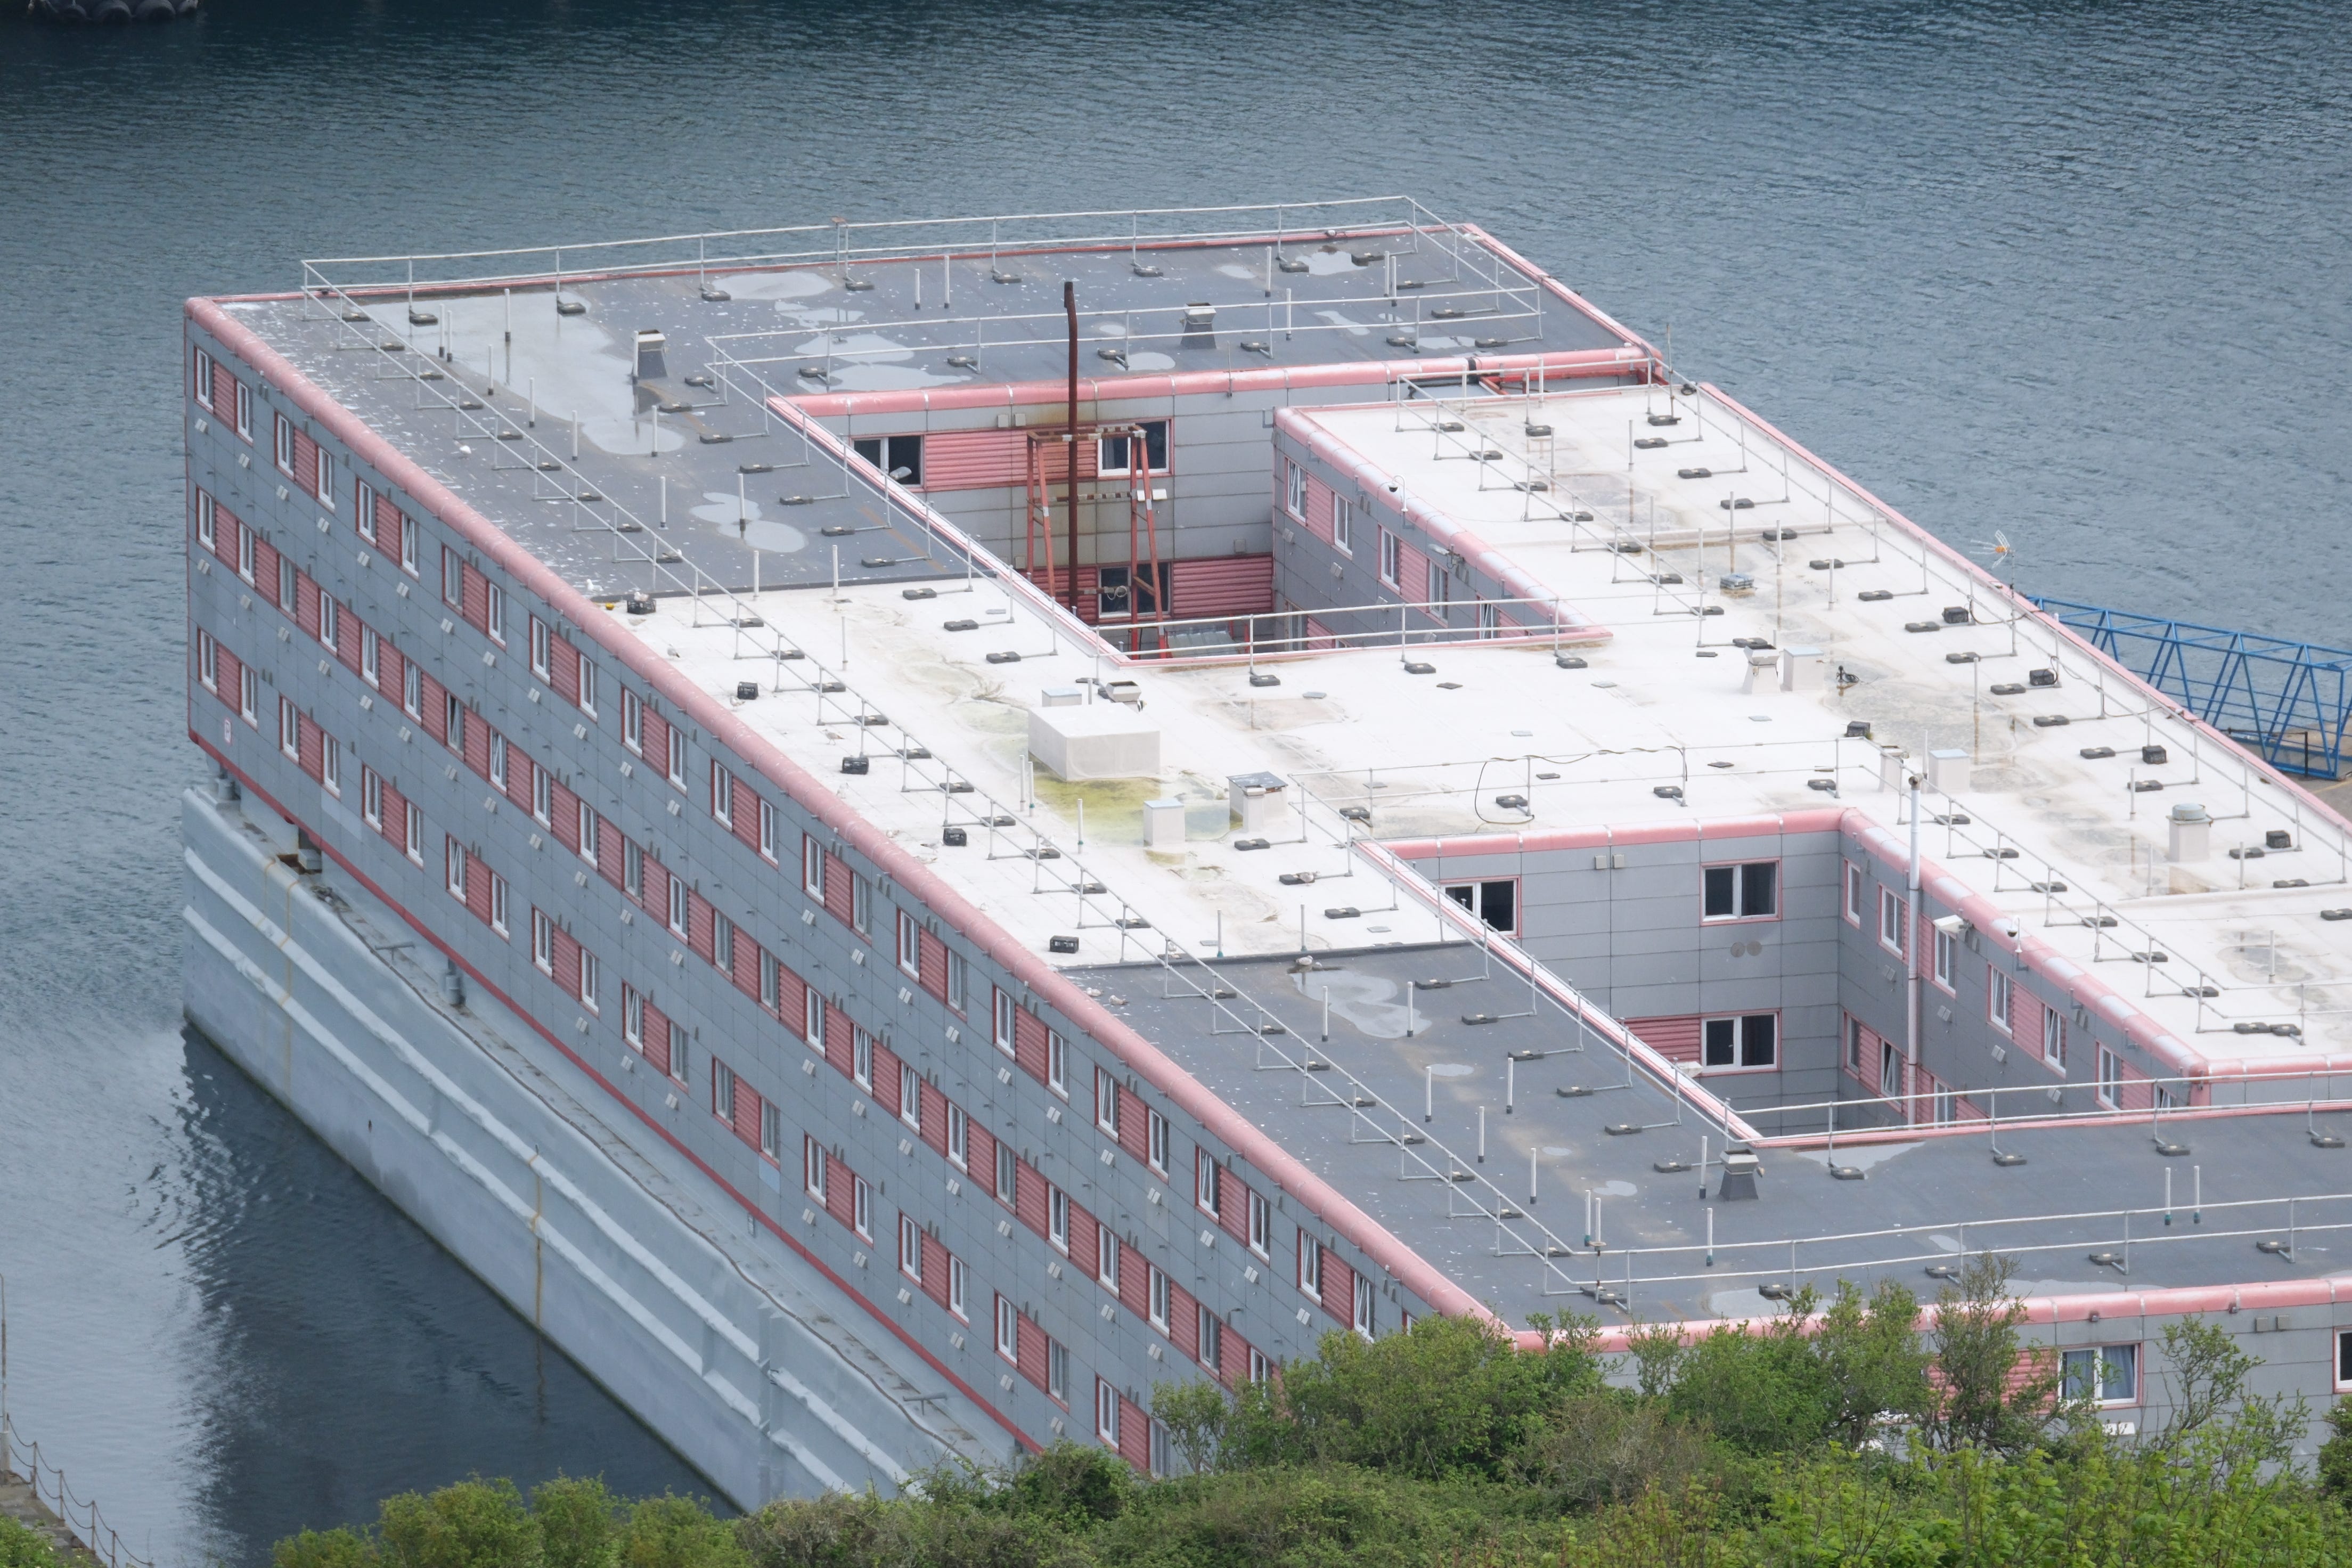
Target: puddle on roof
[
  {"x": 572, "y": 365},
  {"x": 1360, "y": 998},
  {"x": 776, "y": 286},
  {"x": 1115, "y": 807},
  {"x": 742, "y": 521},
  {"x": 1356, "y": 329}
]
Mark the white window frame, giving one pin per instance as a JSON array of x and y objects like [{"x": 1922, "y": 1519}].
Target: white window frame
[
  {"x": 1948, "y": 958},
  {"x": 371, "y": 797},
  {"x": 281, "y": 444},
  {"x": 812, "y": 1168},
  {"x": 910, "y": 946},
  {"x": 453, "y": 580},
  {"x": 413, "y": 831},
  {"x": 1008, "y": 1175},
  {"x": 1106, "y": 1102},
  {"x": 207, "y": 660},
  {"x": 1005, "y": 1027},
  {"x": 681, "y": 907},
  {"x": 2053, "y": 1038},
  {"x": 633, "y": 721},
  {"x": 1057, "y": 1218},
  {"x": 1310, "y": 1267},
  {"x": 244, "y": 397},
  {"x": 498, "y": 770},
  {"x": 958, "y": 1284},
  {"x": 1106, "y": 1412},
  {"x": 542, "y": 942},
  {"x": 861, "y": 905},
  {"x": 722, "y": 942},
  {"x": 2000, "y": 999},
  {"x": 910, "y": 1248},
  {"x": 959, "y": 1137},
  {"x": 1391, "y": 566},
  {"x": 811, "y": 867},
  {"x": 1156, "y": 1142},
  {"x": 203, "y": 389},
  {"x": 494, "y": 612},
  {"x": 767, "y": 829},
  {"x": 330, "y": 764},
  {"x": 1106, "y": 1258},
  {"x": 772, "y": 1131},
  {"x": 633, "y": 1016},
  {"x": 1295, "y": 497},
  {"x": 289, "y": 729},
  {"x": 1362, "y": 1317},
  {"x": 372, "y": 657},
  {"x": 1058, "y": 1063},
  {"x": 959, "y": 979},
  {"x": 1892, "y": 932},
  {"x": 1204, "y": 1182},
  {"x": 2109, "y": 1087},
  {"x": 543, "y": 655},
  {"x": 542, "y": 796},
  {"x": 1343, "y": 524},
  {"x": 1261, "y": 1226},
  {"x": 207, "y": 521},
  {"x": 588, "y": 979},
  {"x": 329, "y": 620},
  {"x": 412, "y": 688},
  {"x": 910, "y": 1096},
  {"x": 1008, "y": 1331},
  {"x": 248, "y": 695},
  {"x": 677, "y": 763},
  {"x": 812, "y": 1018},
  {"x": 1742, "y": 874},
  {"x": 452, "y": 859},
  {"x": 1739, "y": 1031},
  {"x": 1160, "y": 1297},
  {"x": 587, "y": 688},
  {"x": 861, "y": 1208},
  {"x": 588, "y": 831},
  {"x": 249, "y": 557},
  {"x": 861, "y": 1061},
  {"x": 1855, "y": 888},
  {"x": 722, "y": 1091},
  {"x": 2098, "y": 1359},
  {"x": 1168, "y": 439},
  {"x": 722, "y": 794},
  {"x": 364, "y": 499},
  {"x": 408, "y": 543},
  {"x": 325, "y": 487}
]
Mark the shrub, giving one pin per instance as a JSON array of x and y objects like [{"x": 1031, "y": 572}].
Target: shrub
[
  {"x": 579, "y": 1523},
  {"x": 473, "y": 1524},
  {"x": 21, "y": 1546},
  {"x": 677, "y": 1532},
  {"x": 341, "y": 1548}
]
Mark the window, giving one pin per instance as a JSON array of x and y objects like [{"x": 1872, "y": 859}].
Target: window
[
  {"x": 2001, "y": 997},
  {"x": 203, "y": 379},
  {"x": 246, "y": 553},
  {"x": 453, "y": 579},
  {"x": 1004, "y": 1022},
  {"x": 453, "y": 722},
  {"x": 207, "y": 661},
  {"x": 1106, "y": 1258},
  {"x": 371, "y": 797},
  {"x": 678, "y": 756},
  {"x": 289, "y": 729},
  {"x": 1204, "y": 1182},
  {"x": 1106, "y": 1408},
  {"x": 1363, "y": 1320},
  {"x": 330, "y": 621},
  {"x": 633, "y": 1016},
  {"x": 1156, "y": 1145},
  {"x": 1261, "y": 1226},
  {"x": 957, "y": 980},
  {"x": 1495, "y": 902},
  {"x": 588, "y": 833},
  {"x": 769, "y": 990},
  {"x": 722, "y": 1091},
  {"x": 1294, "y": 501},
  {"x": 1391, "y": 557},
  {"x": 325, "y": 487},
  {"x": 861, "y": 905},
  {"x": 1890, "y": 1073},
  {"x": 1161, "y": 1295},
  {"x": 1945, "y": 1106},
  {"x": 910, "y": 1248},
  {"x": 1057, "y": 1217},
  {"x": 959, "y": 1136},
  {"x": 898, "y": 456},
  {"x": 633, "y": 721},
  {"x": 1115, "y": 457},
  {"x": 542, "y": 796},
  {"x": 588, "y": 986},
  {"x": 283, "y": 444},
  {"x": 542, "y": 941},
  {"x": 248, "y": 695},
  {"x": 1853, "y": 893},
  {"x": 455, "y": 857},
  {"x": 1057, "y": 1064},
  {"x": 772, "y": 1131},
  {"x": 812, "y": 1016},
  {"x": 499, "y": 762},
  {"x": 364, "y": 511},
  {"x": 408, "y": 547},
  {"x": 495, "y": 615},
  {"x": 2053, "y": 1037},
  {"x": 861, "y": 1059},
  {"x": 722, "y": 794},
  {"x": 1441, "y": 587},
  {"x": 812, "y": 868},
  {"x": 1106, "y": 1102},
  {"x": 588, "y": 688},
  {"x": 1890, "y": 920},
  {"x": 372, "y": 657},
  {"x": 1007, "y": 1170},
  {"x": 412, "y": 688},
  {"x": 861, "y": 1207},
  {"x": 2109, "y": 1374},
  {"x": 910, "y": 1096},
  {"x": 1008, "y": 1332},
  {"x": 1261, "y": 1366},
  {"x": 287, "y": 579},
  {"x": 812, "y": 1168},
  {"x": 1211, "y": 1336},
  {"x": 244, "y": 412},
  {"x": 542, "y": 647},
  {"x": 1750, "y": 1041},
  {"x": 958, "y": 1284},
  {"x": 1948, "y": 958},
  {"x": 2111, "y": 1077},
  {"x": 910, "y": 946},
  {"x": 1739, "y": 892},
  {"x": 678, "y": 904},
  {"x": 2343, "y": 1358},
  {"x": 207, "y": 522},
  {"x": 1310, "y": 1267},
  {"x": 722, "y": 942},
  {"x": 330, "y": 764},
  {"x": 767, "y": 830},
  {"x": 1343, "y": 525},
  {"x": 414, "y": 830}
]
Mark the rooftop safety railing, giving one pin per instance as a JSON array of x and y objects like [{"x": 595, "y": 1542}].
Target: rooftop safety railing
[{"x": 843, "y": 246}]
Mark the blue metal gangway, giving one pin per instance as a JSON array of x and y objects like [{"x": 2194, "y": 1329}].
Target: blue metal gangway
[{"x": 2289, "y": 701}]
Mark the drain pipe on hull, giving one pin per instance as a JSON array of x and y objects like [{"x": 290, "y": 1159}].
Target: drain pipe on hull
[{"x": 1911, "y": 965}]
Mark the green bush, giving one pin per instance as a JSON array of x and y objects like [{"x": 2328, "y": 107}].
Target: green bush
[{"x": 24, "y": 1547}]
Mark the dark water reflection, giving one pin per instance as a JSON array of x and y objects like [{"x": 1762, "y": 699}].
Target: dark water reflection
[{"x": 2077, "y": 272}]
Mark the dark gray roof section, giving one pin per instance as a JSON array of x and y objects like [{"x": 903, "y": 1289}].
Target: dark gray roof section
[{"x": 1916, "y": 1203}]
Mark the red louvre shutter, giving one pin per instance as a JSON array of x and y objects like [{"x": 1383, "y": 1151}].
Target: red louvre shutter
[
  {"x": 264, "y": 567},
  {"x": 1234, "y": 1360},
  {"x": 748, "y": 959},
  {"x": 232, "y": 676},
  {"x": 934, "y": 1270},
  {"x": 437, "y": 709},
  {"x": 1029, "y": 1043},
  {"x": 306, "y": 605},
  {"x": 225, "y": 531},
  {"x": 885, "y": 1078},
  {"x": 351, "y": 638},
  {"x": 311, "y": 744},
  {"x": 478, "y": 749},
  {"x": 1029, "y": 1342},
  {"x": 395, "y": 817},
  {"x": 567, "y": 962},
  {"x": 792, "y": 998},
  {"x": 612, "y": 850},
  {"x": 390, "y": 527},
  {"x": 478, "y": 887},
  {"x": 1134, "y": 1435},
  {"x": 1134, "y": 1125},
  {"x": 1184, "y": 1320},
  {"x": 1676, "y": 1039},
  {"x": 473, "y": 598},
  {"x": 1232, "y": 1204},
  {"x": 657, "y": 740},
  {"x": 744, "y": 811},
  {"x": 1318, "y": 509},
  {"x": 563, "y": 662},
  {"x": 935, "y": 1119},
  {"x": 1221, "y": 585},
  {"x": 698, "y": 933},
  {"x": 839, "y": 902},
  {"x": 1134, "y": 1281},
  {"x": 657, "y": 894},
  {"x": 224, "y": 391},
  {"x": 1412, "y": 575},
  {"x": 564, "y": 807},
  {"x": 931, "y": 965},
  {"x": 982, "y": 1153},
  {"x": 975, "y": 459},
  {"x": 306, "y": 463},
  {"x": 840, "y": 1040},
  {"x": 1029, "y": 1196},
  {"x": 841, "y": 1192},
  {"x": 393, "y": 668},
  {"x": 1338, "y": 1287},
  {"x": 747, "y": 1113},
  {"x": 1084, "y": 1239},
  {"x": 656, "y": 1038}
]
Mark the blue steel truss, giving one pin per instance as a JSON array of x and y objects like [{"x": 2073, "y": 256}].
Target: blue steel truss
[{"x": 2289, "y": 701}]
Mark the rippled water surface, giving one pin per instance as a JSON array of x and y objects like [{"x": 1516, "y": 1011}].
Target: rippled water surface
[{"x": 2077, "y": 272}]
